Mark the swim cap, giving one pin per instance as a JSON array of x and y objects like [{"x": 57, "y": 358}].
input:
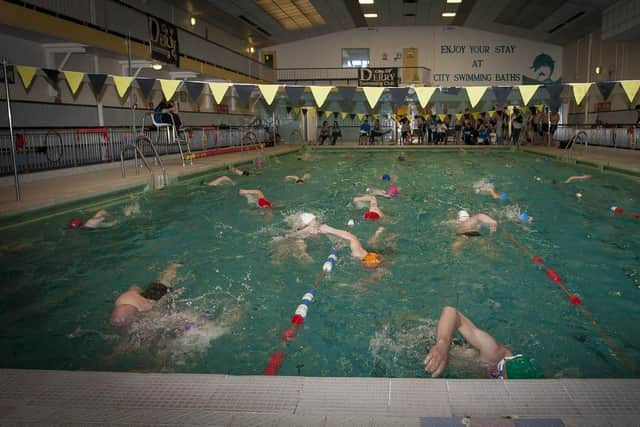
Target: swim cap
[
  {"x": 122, "y": 315},
  {"x": 401, "y": 158},
  {"x": 372, "y": 216},
  {"x": 386, "y": 177},
  {"x": 524, "y": 217},
  {"x": 463, "y": 215},
  {"x": 523, "y": 368},
  {"x": 307, "y": 218},
  {"x": 264, "y": 203},
  {"x": 392, "y": 191},
  {"x": 258, "y": 162},
  {"x": 371, "y": 260},
  {"x": 75, "y": 223},
  {"x": 350, "y": 223},
  {"x": 488, "y": 180},
  {"x": 504, "y": 196}
]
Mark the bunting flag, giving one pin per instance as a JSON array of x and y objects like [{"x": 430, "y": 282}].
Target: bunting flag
[
  {"x": 244, "y": 92},
  {"x": 424, "y": 94},
  {"x": 398, "y": 94},
  {"x": 376, "y": 116},
  {"x": 510, "y": 109},
  {"x": 269, "y": 92},
  {"x": 26, "y": 75},
  {"x": 475, "y": 94},
  {"x": 453, "y": 91},
  {"x": 344, "y": 115},
  {"x": 218, "y": 90},
  {"x": 394, "y": 117},
  {"x": 346, "y": 93},
  {"x": 52, "y": 76},
  {"x": 491, "y": 113},
  {"x": 458, "y": 116},
  {"x": 335, "y": 115},
  {"x": 579, "y": 91},
  {"x": 296, "y": 111},
  {"x": 320, "y": 113},
  {"x": 539, "y": 107},
  {"x": 294, "y": 93},
  {"x": 527, "y": 92},
  {"x": 320, "y": 93},
  {"x": 122, "y": 84},
  {"x": 360, "y": 116},
  {"x": 442, "y": 117},
  {"x": 606, "y": 88},
  {"x": 555, "y": 90},
  {"x": 169, "y": 87},
  {"x": 194, "y": 89},
  {"x": 146, "y": 86},
  {"x": 352, "y": 116},
  {"x": 502, "y": 93},
  {"x": 630, "y": 88},
  {"x": 327, "y": 114},
  {"x": 97, "y": 82},
  {"x": 74, "y": 80},
  {"x": 475, "y": 115},
  {"x": 373, "y": 94}
]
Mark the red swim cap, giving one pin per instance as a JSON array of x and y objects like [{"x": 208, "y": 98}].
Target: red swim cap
[
  {"x": 264, "y": 203},
  {"x": 75, "y": 223},
  {"x": 372, "y": 216}
]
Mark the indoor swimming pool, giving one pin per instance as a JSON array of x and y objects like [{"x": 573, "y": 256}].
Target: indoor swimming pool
[{"x": 239, "y": 285}]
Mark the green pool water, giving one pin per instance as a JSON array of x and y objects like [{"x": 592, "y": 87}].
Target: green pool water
[{"x": 58, "y": 286}]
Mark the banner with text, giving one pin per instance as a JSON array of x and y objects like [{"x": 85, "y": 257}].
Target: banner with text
[{"x": 378, "y": 77}]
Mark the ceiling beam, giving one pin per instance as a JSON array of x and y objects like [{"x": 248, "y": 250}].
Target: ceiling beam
[
  {"x": 464, "y": 10},
  {"x": 356, "y": 13}
]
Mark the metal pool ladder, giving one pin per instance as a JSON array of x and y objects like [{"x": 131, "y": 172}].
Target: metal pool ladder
[
  {"x": 156, "y": 184},
  {"x": 579, "y": 138}
]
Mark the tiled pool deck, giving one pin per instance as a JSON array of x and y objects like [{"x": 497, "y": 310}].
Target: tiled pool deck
[
  {"x": 30, "y": 397},
  {"x": 89, "y": 398}
]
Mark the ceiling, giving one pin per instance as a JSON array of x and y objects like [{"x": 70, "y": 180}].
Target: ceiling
[{"x": 551, "y": 21}]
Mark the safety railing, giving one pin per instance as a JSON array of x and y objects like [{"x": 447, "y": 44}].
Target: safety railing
[
  {"x": 617, "y": 136},
  {"x": 47, "y": 149}
]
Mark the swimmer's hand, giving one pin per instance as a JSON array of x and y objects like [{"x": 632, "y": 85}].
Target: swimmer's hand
[
  {"x": 436, "y": 361},
  {"x": 324, "y": 229}
]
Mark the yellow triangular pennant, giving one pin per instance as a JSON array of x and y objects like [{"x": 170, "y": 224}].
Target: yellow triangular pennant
[
  {"x": 344, "y": 115},
  {"x": 394, "y": 117},
  {"x": 373, "y": 94},
  {"x": 122, "y": 84},
  {"x": 475, "y": 94},
  {"x": 74, "y": 79},
  {"x": 268, "y": 92},
  {"x": 540, "y": 107},
  {"x": 376, "y": 116},
  {"x": 218, "y": 90},
  {"x": 442, "y": 117},
  {"x": 360, "y": 116},
  {"x": 169, "y": 87},
  {"x": 580, "y": 90},
  {"x": 424, "y": 94},
  {"x": 630, "y": 88},
  {"x": 475, "y": 115},
  {"x": 328, "y": 113},
  {"x": 527, "y": 92},
  {"x": 320, "y": 93},
  {"x": 458, "y": 116},
  {"x": 491, "y": 113},
  {"x": 296, "y": 110},
  {"x": 26, "y": 74}
]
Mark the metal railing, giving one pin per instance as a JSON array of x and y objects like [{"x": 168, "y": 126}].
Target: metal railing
[
  {"x": 617, "y": 136},
  {"x": 346, "y": 75},
  {"x": 47, "y": 149}
]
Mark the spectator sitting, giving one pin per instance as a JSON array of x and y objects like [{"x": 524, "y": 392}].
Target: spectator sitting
[
  {"x": 376, "y": 131},
  {"x": 365, "y": 129},
  {"x": 325, "y": 132},
  {"x": 335, "y": 132}
]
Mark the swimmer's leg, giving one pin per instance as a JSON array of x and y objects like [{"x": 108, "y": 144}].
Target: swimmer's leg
[{"x": 456, "y": 247}]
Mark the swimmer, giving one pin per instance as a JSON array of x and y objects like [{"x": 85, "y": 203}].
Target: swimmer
[
  {"x": 135, "y": 300},
  {"x": 369, "y": 259},
  {"x": 501, "y": 362},
  {"x": 488, "y": 188},
  {"x": 257, "y": 197},
  {"x": 307, "y": 157},
  {"x": 223, "y": 180},
  {"x": 133, "y": 209},
  {"x": 577, "y": 178},
  {"x": 303, "y": 226},
  {"x": 469, "y": 226},
  {"x": 102, "y": 219},
  {"x": 389, "y": 192},
  {"x": 374, "y": 211},
  {"x": 238, "y": 172},
  {"x": 297, "y": 179}
]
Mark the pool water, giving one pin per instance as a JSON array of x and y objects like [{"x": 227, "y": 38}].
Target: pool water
[{"x": 236, "y": 292}]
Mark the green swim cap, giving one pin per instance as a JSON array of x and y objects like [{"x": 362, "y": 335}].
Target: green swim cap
[{"x": 523, "y": 368}]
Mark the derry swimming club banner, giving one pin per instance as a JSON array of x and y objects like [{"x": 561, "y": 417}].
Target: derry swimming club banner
[
  {"x": 163, "y": 39},
  {"x": 387, "y": 77}
]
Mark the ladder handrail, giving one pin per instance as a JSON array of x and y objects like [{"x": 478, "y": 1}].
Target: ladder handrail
[{"x": 137, "y": 150}]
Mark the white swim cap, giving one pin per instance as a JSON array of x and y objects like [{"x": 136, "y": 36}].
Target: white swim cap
[
  {"x": 463, "y": 215},
  {"x": 307, "y": 218},
  {"x": 350, "y": 223}
]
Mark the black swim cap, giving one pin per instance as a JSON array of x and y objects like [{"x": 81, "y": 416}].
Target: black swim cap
[{"x": 155, "y": 291}]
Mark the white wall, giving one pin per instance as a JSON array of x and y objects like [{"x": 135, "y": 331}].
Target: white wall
[{"x": 432, "y": 43}]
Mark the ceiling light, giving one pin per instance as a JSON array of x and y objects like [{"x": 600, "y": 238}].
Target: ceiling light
[
  {"x": 252, "y": 49},
  {"x": 365, "y": 1},
  {"x": 157, "y": 67},
  {"x": 598, "y": 69},
  {"x": 370, "y": 15},
  {"x": 193, "y": 21},
  {"x": 448, "y": 14},
  {"x": 454, "y": 1}
]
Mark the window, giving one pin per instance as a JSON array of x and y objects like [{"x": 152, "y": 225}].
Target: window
[{"x": 355, "y": 57}]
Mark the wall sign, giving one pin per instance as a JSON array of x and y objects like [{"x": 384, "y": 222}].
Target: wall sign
[
  {"x": 163, "y": 40},
  {"x": 377, "y": 77}
]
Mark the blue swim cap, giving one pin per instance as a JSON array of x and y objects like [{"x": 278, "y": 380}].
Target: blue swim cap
[
  {"x": 386, "y": 177},
  {"x": 504, "y": 196},
  {"x": 488, "y": 180},
  {"x": 524, "y": 217}
]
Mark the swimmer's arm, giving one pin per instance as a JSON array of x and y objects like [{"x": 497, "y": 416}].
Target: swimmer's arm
[
  {"x": 436, "y": 361},
  {"x": 488, "y": 221},
  {"x": 291, "y": 178},
  {"x": 222, "y": 180},
  {"x": 486, "y": 344},
  {"x": 577, "y": 178},
  {"x": 256, "y": 193}
]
